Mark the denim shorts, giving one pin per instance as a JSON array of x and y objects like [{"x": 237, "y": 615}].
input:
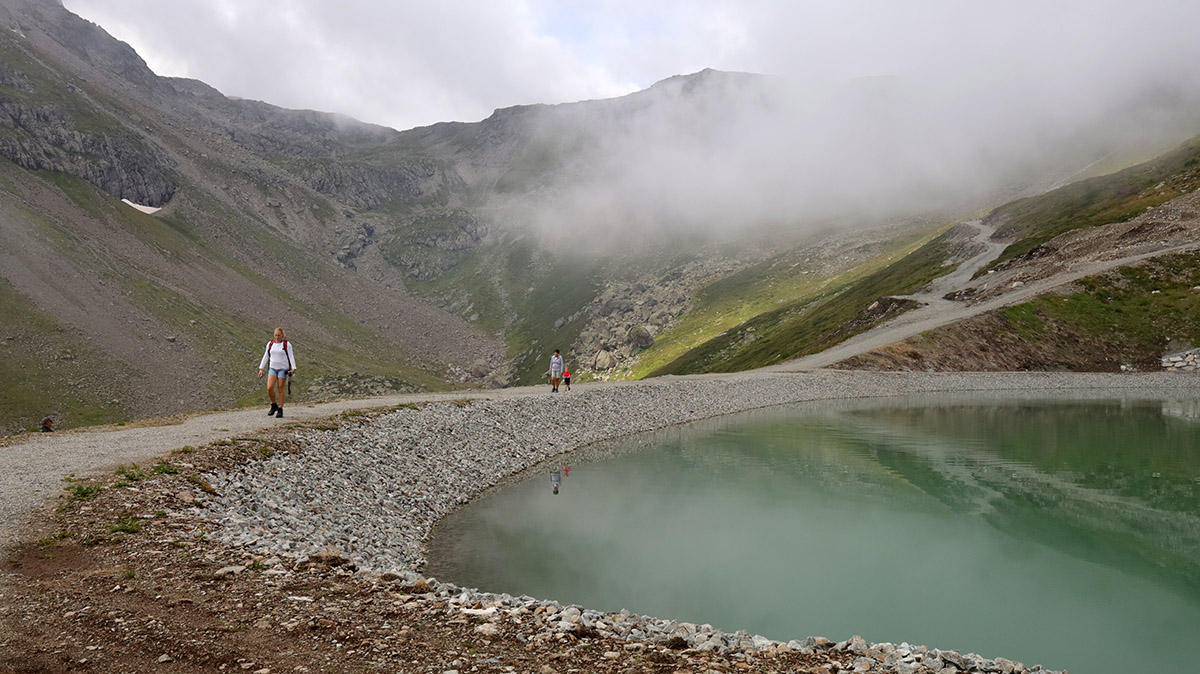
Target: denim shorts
[{"x": 282, "y": 374}]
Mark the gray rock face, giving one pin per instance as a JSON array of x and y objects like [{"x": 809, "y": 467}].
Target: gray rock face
[
  {"x": 626, "y": 315},
  {"x": 431, "y": 244},
  {"x": 47, "y": 138}
]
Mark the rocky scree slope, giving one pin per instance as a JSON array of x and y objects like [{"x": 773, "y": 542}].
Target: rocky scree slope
[{"x": 100, "y": 299}]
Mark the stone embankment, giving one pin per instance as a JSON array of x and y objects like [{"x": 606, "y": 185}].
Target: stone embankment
[
  {"x": 1188, "y": 361},
  {"x": 370, "y": 493}
]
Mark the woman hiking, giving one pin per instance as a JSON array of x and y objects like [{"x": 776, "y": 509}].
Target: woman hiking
[{"x": 280, "y": 362}]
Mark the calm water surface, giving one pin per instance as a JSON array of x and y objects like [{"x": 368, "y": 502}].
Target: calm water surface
[{"x": 1061, "y": 533}]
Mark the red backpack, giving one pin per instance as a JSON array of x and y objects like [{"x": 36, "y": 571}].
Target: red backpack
[{"x": 285, "y": 352}]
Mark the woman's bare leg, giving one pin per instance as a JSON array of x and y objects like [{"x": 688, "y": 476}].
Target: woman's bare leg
[
  {"x": 281, "y": 382},
  {"x": 271, "y": 379}
]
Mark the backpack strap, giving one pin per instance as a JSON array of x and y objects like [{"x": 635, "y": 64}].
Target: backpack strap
[{"x": 285, "y": 352}]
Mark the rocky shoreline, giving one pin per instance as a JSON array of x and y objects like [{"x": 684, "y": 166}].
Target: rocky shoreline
[{"x": 368, "y": 495}]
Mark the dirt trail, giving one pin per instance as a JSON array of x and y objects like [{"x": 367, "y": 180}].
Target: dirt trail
[
  {"x": 32, "y": 467},
  {"x": 939, "y": 311}
]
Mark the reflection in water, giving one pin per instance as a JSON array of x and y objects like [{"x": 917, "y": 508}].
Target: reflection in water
[{"x": 1051, "y": 532}]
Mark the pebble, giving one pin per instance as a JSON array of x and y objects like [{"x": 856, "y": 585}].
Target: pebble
[{"x": 369, "y": 494}]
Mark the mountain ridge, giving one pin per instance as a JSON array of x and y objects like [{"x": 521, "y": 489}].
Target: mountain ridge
[{"x": 624, "y": 231}]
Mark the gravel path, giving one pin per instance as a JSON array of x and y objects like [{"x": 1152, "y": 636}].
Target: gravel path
[
  {"x": 938, "y": 311},
  {"x": 32, "y": 467},
  {"x": 372, "y": 492}
]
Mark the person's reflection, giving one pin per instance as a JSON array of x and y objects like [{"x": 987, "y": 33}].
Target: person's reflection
[{"x": 556, "y": 477}]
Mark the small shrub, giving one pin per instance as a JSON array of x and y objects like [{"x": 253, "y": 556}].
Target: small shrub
[
  {"x": 131, "y": 472},
  {"x": 55, "y": 537},
  {"x": 85, "y": 492},
  {"x": 126, "y": 524},
  {"x": 186, "y": 449},
  {"x": 165, "y": 469}
]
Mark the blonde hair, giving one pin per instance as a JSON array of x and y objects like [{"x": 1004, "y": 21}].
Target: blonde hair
[{"x": 281, "y": 331}]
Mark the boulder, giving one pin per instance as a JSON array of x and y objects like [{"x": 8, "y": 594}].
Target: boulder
[
  {"x": 603, "y": 361},
  {"x": 639, "y": 337}
]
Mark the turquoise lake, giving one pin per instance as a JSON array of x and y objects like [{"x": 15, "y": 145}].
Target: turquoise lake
[{"x": 1057, "y": 532}]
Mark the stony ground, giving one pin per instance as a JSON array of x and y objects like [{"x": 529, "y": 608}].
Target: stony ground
[
  {"x": 127, "y": 581},
  {"x": 125, "y": 572}
]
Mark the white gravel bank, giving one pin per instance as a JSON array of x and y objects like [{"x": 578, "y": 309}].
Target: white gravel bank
[{"x": 371, "y": 493}]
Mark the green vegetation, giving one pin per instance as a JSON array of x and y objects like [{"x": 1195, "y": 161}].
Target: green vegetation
[
  {"x": 529, "y": 289},
  {"x": 46, "y": 90},
  {"x": 785, "y": 280},
  {"x": 1127, "y": 316},
  {"x": 814, "y": 323},
  {"x": 131, "y": 473},
  {"x": 53, "y": 538},
  {"x": 36, "y": 368},
  {"x": 84, "y": 492},
  {"x": 126, "y": 524},
  {"x": 1097, "y": 201}
]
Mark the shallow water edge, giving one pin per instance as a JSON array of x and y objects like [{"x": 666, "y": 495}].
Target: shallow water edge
[{"x": 373, "y": 493}]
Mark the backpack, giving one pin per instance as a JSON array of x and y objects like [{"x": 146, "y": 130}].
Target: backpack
[{"x": 285, "y": 352}]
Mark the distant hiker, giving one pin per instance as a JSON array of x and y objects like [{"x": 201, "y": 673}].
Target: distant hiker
[
  {"x": 555, "y": 480},
  {"x": 280, "y": 361},
  {"x": 556, "y": 370},
  {"x": 567, "y": 379},
  {"x": 47, "y": 425}
]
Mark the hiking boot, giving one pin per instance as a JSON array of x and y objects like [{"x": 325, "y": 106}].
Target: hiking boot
[
  {"x": 273, "y": 408},
  {"x": 279, "y": 412}
]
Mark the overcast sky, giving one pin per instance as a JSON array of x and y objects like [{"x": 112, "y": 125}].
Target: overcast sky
[{"x": 406, "y": 64}]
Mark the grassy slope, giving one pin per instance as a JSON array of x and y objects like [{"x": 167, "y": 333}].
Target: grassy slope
[
  {"x": 225, "y": 338},
  {"x": 810, "y": 324},
  {"x": 783, "y": 281},
  {"x": 520, "y": 292},
  {"x": 38, "y": 357},
  {"x": 1097, "y": 201},
  {"x": 1130, "y": 316}
]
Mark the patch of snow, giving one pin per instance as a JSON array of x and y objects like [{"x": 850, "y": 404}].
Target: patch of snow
[{"x": 144, "y": 209}]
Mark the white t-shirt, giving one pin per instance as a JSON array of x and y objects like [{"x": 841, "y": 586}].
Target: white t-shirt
[{"x": 277, "y": 358}]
